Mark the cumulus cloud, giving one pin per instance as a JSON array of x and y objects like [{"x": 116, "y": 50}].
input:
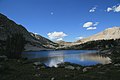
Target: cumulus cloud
[
  {"x": 90, "y": 25},
  {"x": 91, "y": 28},
  {"x": 115, "y": 8},
  {"x": 109, "y": 9},
  {"x": 57, "y": 36},
  {"x": 93, "y": 9}
]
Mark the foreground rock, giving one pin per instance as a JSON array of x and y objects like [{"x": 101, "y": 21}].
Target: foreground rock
[
  {"x": 86, "y": 69},
  {"x": 39, "y": 65}
]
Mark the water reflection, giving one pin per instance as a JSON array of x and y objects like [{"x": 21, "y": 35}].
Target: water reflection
[
  {"x": 52, "y": 58},
  {"x": 55, "y": 58},
  {"x": 96, "y": 57},
  {"x": 82, "y": 59}
]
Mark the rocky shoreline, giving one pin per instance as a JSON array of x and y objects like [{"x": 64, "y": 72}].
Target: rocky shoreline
[{"x": 23, "y": 69}]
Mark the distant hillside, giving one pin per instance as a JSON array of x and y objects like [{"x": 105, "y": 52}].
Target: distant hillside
[
  {"x": 110, "y": 33},
  {"x": 44, "y": 41},
  {"x": 63, "y": 43},
  {"x": 95, "y": 45},
  {"x": 9, "y": 27},
  {"x": 99, "y": 40}
]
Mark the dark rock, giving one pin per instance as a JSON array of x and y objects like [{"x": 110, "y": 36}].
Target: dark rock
[
  {"x": 66, "y": 76},
  {"x": 65, "y": 64},
  {"x": 0, "y": 66},
  {"x": 98, "y": 66},
  {"x": 116, "y": 65},
  {"x": 37, "y": 75},
  {"x": 39, "y": 65},
  {"x": 3, "y": 58},
  {"x": 105, "y": 51},
  {"x": 101, "y": 72}
]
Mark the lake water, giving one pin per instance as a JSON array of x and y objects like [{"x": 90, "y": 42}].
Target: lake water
[{"x": 82, "y": 57}]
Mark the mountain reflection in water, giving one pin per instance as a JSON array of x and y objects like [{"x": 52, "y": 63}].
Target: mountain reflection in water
[
  {"x": 96, "y": 57},
  {"x": 82, "y": 57}
]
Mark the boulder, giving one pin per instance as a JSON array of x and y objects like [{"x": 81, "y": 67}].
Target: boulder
[
  {"x": 86, "y": 69},
  {"x": 78, "y": 68},
  {"x": 39, "y": 65},
  {"x": 69, "y": 67},
  {"x": 52, "y": 78}
]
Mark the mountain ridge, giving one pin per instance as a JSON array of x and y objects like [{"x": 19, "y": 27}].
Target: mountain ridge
[
  {"x": 109, "y": 33},
  {"x": 9, "y": 27}
]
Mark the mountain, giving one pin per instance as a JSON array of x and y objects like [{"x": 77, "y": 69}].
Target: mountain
[
  {"x": 34, "y": 42},
  {"x": 107, "y": 34},
  {"x": 63, "y": 43},
  {"x": 44, "y": 41},
  {"x": 103, "y": 39}
]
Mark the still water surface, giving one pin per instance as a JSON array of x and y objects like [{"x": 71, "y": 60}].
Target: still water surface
[{"x": 82, "y": 57}]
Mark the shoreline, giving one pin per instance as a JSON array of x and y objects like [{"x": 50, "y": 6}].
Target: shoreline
[{"x": 32, "y": 70}]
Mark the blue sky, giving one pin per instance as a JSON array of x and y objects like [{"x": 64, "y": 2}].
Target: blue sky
[{"x": 63, "y": 19}]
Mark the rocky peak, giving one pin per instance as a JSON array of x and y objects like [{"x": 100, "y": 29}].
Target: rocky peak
[{"x": 109, "y": 33}]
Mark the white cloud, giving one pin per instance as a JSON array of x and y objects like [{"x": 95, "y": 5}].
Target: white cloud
[
  {"x": 88, "y": 24},
  {"x": 35, "y": 33},
  {"x": 56, "y": 35},
  {"x": 80, "y": 37},
  {"x": 109, "y": 9},
  {"x": 115, "y": 8},
  {"x": 95, "y": 24},
  {"x": 91, "y": 28},
  {"x": 59, "y": 39},
  {"x": 93, "y": 9}
]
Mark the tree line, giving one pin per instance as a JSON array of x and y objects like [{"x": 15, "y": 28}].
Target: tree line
[{"x": 12, "y": 46}]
